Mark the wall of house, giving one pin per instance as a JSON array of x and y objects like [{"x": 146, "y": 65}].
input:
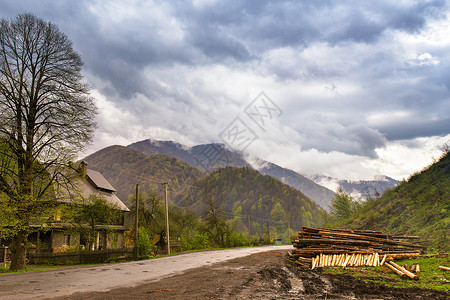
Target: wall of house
[
  {"x": 114, "y": 240},
  {"x": 62, "y": 241}
]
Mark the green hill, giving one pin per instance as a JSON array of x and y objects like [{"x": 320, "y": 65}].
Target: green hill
[
  {"x": 125, "y": 167},
  {"x": 419, "y": 206},
  {"x": 251, "y": 198}
]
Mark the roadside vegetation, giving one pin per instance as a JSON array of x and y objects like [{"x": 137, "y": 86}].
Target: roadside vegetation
[
  {"x": 188, "y": 231},
  {"x": 418, "y": 206},
  {"x": 430, "y": 277}
]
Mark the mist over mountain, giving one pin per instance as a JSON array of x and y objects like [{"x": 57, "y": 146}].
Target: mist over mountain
[
  {"x": 207, "y": 157},
  {"x": 358, "y": 189},
  {"x": 210, "y": 157}
]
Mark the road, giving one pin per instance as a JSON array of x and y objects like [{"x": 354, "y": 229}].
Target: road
[{"x": 63, "y": 282}]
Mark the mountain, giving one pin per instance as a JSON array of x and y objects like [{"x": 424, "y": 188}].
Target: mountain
[
  {"x": 358, "y": 189},
  {"x": 243, "y": 193},
  {"x": 206, "y": 157},
  {"x": 247, "y": 195},
  {"x": 368, "y": 188},
  {"x": 419, "y": 206},
  {"x": 320, "y": 194},
  {"x": 125, "y": 167},
  {"x": 213, "y": 156}
]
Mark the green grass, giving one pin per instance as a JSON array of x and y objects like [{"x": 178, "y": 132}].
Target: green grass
[
  {"x": 30, "y": 268},
  {"x": 430, "y": 277}
]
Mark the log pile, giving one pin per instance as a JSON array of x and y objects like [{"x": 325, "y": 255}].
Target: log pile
[{"x": 320, "y": 247}]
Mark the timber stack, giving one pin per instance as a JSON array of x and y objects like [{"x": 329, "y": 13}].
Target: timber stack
[{"x": 322, "y": 247}]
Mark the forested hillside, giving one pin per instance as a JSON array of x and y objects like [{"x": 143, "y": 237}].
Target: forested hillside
[
  {"x": 320, "y": 194},
  {"x": 419, "y": 206},
  {"x": 251, "y": 198},
  {"x": 125, "y": 167},
  {"x": 210, "y": 157}
]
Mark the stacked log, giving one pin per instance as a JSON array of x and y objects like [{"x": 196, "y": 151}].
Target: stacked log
[{"x": 320, "y": 247}]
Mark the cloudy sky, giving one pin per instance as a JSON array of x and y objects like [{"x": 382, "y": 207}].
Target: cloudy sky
[{"x": 351, "y": 89}]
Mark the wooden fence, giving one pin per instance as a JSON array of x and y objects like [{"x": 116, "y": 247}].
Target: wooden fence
[{"x": 81, "y": 257}]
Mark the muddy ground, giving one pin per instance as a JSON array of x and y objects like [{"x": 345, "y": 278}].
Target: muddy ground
[{"x": 266, "y": 275}]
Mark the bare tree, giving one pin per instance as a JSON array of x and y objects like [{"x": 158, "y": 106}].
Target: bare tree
[{"x": 46, "y": 118}]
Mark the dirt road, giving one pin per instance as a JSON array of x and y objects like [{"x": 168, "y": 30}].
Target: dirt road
[
  {"x": 265, "y": 275},
  {"x": 64, "y": 282},
  {"x": 261, "y": 275}
]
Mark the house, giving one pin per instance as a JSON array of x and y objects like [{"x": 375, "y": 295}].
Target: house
[{"x": 61, "y": 232}]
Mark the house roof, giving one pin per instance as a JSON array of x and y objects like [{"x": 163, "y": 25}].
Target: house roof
[
  {"x": 99, "y": 181},
  {"x": 86, "y": 189},
  {"x": 81, "y": 189}
]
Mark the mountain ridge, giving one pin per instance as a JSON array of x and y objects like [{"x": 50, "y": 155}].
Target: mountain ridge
[{"x": 209, "y": 157}]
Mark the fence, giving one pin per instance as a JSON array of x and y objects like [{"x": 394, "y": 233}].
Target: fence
[{"x": 81, "y": 257}]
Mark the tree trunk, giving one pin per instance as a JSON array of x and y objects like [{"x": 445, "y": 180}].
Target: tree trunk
[{"x": 18, "y": 251}]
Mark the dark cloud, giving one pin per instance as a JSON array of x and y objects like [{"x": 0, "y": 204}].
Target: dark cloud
[
  {"x": 416, "y": 127},
  {"x": 169, "y": 53}
]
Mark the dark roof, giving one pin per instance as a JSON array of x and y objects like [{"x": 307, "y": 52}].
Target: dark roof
[{"x": 99, "y": 181}]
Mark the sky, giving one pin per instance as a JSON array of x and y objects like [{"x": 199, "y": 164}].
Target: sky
[{"x": 348, "y": 89}]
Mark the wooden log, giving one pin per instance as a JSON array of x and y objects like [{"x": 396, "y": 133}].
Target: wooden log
[
  {"x": 338, "y": 241},
  {"x": 383, "y": 260},
  {"x": 444, "y": 268},
  {"x": 398, "y": 272},
  {"x": 370, "y": 260},
  {"x": 347, "y": 259},
  {"x": 407, "y": 273},
  {"x": 352, "y": 260},
  {"x": 342, "y": 260},
  {"x": 357, "y": 259},
  {"x": 384, "y": 239},
  {"x": 417, "y": 269},
  {"x": 403, "y": 255},
  {"x": 306, "y": 266}
]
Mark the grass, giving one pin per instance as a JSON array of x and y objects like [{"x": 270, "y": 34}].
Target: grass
[
  {"x": 30, "y": 268},
  {"x": 430, "y": 277}
]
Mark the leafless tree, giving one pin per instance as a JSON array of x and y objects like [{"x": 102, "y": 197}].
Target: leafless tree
[{"x": 46, "y": 118}]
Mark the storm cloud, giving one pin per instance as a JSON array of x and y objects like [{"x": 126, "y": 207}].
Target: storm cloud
[{"x": 351, "y": 77}]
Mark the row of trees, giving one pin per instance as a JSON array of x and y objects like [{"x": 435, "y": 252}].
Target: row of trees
[{"x": 191, "y": 231}]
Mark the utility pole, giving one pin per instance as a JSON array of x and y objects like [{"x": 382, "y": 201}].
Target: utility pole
[
  {"x": 136, "y": 224},
  {"x": 249, "y": 230},
  {"x": 289, "y": 232},
  {"x": 167, "y": 217}
]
